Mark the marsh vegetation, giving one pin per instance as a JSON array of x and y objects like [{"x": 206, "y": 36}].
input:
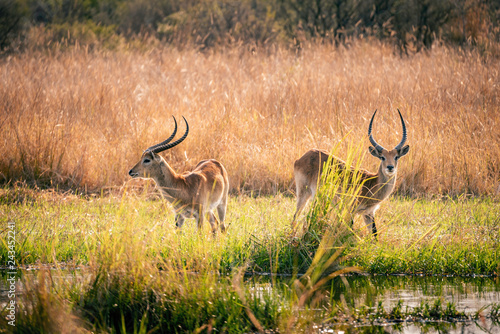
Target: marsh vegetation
[
  {"x": 125, "y": 267},
  {"x": 75, "y": 118}
]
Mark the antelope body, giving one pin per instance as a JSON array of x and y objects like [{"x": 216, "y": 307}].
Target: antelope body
[
  {"x": 193, "y": 194},
  {"x": 376, "y": 187}
]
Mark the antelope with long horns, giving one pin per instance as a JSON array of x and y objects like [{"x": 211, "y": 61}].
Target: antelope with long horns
[
  {"x": 376, "y": 187},
  {"x": 192, "y": 194}
]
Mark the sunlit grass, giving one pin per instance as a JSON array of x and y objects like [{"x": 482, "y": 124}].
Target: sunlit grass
[
  {"x": 432, "y": 236},
  {"x": 435, "y": 236},
  {"x": 70, "y": 229},
  {"x": 80, "y": 119},
  {"x": 138, "y": 272}
]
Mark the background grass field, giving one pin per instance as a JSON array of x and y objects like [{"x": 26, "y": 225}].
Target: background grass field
[{"x": 81, "y": 118}]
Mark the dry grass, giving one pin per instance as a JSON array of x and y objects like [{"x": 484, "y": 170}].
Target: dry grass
[{"x": 79, "y": 118}]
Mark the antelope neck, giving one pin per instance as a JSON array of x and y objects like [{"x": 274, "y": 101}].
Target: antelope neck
[
  {"x": 168, "y": 181},
  {"x": 386, "y": 183}
]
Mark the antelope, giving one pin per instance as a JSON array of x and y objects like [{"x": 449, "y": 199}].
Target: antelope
[
  {"x": 192, "y": 194},
  {"x": 376, "y": 187}
]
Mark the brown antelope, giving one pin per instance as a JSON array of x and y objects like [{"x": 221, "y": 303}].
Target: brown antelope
[
  {"x": 376, "y": 186},
  {"x": 193, "y": 194}
]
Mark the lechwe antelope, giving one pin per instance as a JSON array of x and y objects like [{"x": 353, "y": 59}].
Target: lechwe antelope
[
  {"x": 193, "y": 194},
  {"x": 376, "y": 186}
]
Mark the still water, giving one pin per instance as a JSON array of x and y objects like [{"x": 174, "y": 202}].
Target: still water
[{"x": 469, "y": 295}]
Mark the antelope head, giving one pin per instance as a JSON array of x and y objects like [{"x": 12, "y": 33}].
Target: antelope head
[
  {"x": 149, "y": 164},
  {"x": 389, "y": 159}
]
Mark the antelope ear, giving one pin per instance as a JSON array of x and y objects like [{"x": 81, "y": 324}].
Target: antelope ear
[
  {"x": 403, "y": 151},
  {"x": 374, "y": 152}
]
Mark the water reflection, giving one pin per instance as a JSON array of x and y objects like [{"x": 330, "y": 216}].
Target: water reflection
[
  {"x": 469, "y": 294},
  {"x": 417, "y": 328}
]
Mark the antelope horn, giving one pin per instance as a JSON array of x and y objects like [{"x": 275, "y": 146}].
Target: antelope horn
[
  {"x": 165, "y": 145},
  {"x": 166, "y": 141},
  {"x": 403, "y": 140},
  {"x": 374, "y": 143}
]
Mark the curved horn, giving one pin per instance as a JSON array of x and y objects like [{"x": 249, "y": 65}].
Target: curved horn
[
  {"x": 165, "y": 146},
  {"x": 403, "y": 140},
  {"x": 374, "y": 143},
  {"x": 166, "y": 141}
]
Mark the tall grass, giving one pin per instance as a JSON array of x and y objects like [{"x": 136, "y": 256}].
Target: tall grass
[{"x": 80, "y": 118}]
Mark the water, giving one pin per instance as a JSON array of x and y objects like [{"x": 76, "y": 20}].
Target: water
[
  {"x": 417, "y": 328},
  {"x": 469, "y": 294}
]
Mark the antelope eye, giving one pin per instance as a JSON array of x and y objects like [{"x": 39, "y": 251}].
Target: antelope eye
[
  {"x": 382, "y": 158},
  {"x": 396, "y": 158},
  {"x": 146, "y": 161}
]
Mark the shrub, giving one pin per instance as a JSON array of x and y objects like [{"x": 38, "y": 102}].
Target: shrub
[{"x": 11, "y": 15}]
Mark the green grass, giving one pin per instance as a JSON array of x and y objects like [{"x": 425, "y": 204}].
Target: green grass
[
  {"x": 140, "y": 274},
  {"x": 450, "y": 236},
  {"x": 425, "y": 236},
  {"x": 71, "y": 230}
]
